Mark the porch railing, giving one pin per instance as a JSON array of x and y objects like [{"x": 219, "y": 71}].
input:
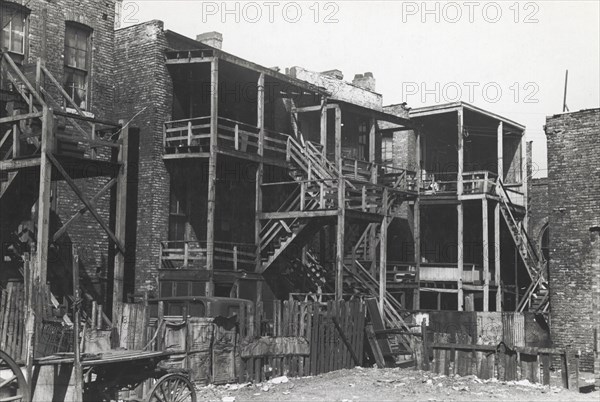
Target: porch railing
[
  {"x": 193, "y": 136},
  {"x": 180, "y": 254}
]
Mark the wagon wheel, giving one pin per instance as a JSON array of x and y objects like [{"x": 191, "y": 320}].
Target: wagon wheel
[
  {"x": 13, "y": 386},
  {"x": 172, "y": 388}
]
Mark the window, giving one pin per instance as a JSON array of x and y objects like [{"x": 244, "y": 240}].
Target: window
[
  {"x": 387, "y": 149},
  {"x": 362, "y": 141},
  {"x": 77, "y": 63},
  {"x": 14, "y": 30}
]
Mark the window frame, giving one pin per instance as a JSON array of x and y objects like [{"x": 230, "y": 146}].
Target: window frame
[
  {"x": 17, "y": 9},
  {"x": 74, "y": 70}
]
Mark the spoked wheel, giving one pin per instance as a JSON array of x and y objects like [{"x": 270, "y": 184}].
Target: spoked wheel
[
  {"x": 13, "y": 386},
  {"x": 172, "y": 388}
]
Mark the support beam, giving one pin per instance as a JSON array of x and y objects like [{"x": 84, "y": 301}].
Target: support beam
[
  {"x": 39, "y": 275},
  {"x": 383, "y": 255},
  {"x": 460, "y": 253},
  {"x": 323, "y": 128},
  {"x": 120, "y": 225},
  {"x": 338, "y": 139},
  {"x": 212, "y": 173},
  {"x": 497, "y": 265},
  {"x": 260, "y": 118},
  {"x": 260, "y": 113},
  {"x": 460, "y": 147},
  {"x": 486, "y": 254},
  {"x": 500, "y": 148},
  {"x": 417, "y": 225},
  {"x": 339, "y": 255},
  {"x": 372, "y": 147}
]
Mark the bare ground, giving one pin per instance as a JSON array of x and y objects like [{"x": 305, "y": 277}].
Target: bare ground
[{"x": 370, "y": 384}]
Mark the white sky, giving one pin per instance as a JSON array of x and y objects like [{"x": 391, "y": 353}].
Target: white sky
[{"x": 408, "y": 51}]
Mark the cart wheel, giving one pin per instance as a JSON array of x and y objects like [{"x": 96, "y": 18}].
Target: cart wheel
[
  {"x": 13, "y": 386},
  {"x": 172, "y": 388}
]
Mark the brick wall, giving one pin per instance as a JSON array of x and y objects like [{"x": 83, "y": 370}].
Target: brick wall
[
  {"x": 574, "y": 186},
  {"x": 538, "y": 209},
  {"x": 46, "y": 40},
  {"x": 143, "y": 86}
]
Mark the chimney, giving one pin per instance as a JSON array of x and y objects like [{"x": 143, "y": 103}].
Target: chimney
[
  {"x": 335, "y": 73},
  {"x": 366, "y": 81},
  {"x": 213, "y": 39}
]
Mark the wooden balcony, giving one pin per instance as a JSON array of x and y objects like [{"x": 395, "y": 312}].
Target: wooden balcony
[
  {"x": 191, "y": 138},
  {"x": 180, "y": 254}
]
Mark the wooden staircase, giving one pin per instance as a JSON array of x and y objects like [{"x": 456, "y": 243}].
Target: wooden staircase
[{"x": 536, "y": 297}]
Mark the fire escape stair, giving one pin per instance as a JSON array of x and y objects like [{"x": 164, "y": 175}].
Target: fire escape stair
[{"x": 536, "y": 296}]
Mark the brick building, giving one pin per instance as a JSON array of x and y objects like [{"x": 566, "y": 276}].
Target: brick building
[
  {"x": 574, "y": 222},
  {"x": 73, "y": 41}
]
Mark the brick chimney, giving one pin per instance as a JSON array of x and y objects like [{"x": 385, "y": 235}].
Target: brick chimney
[
  {"x": 366, "y": 81},
  {"x": 335, "y": 73},
  {"x": 214, "y": 39}
]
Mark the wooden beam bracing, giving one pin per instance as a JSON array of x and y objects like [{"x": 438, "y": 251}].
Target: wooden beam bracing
[{"x": 86, "y": 202}]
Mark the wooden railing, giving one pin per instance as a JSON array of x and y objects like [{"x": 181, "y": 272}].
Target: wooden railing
[
  {"x": 479, "y": 182},
  {"x": 179, "y": 254},
  {"x": 187, "y": 134},
  {"x": 439, "y": 183},
  {"x": 193, "y": 136}
]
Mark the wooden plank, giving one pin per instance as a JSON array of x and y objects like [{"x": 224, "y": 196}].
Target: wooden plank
[
  {"x": 460, "y": 262},
  {"x": 379, "y": 360},
  {"x": 497, "y": 262},
  {"x": 545, "y": 360}
]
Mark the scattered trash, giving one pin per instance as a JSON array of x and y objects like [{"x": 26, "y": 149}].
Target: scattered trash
[{"x": 279, "y": 380}]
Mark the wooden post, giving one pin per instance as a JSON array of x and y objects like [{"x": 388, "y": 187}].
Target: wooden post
[
  {"x": 339, "y": 257},
  {"x": 459, "y": 208},
  {"x": 260, "y": 119},
  {"x": 460, "y": 146},
  {"x": 338, "y": 139},
  {"x": 212, "y": 173},
  {"x": 260, "y": 113},
  {"x": 323, "y": 127},
  {"x": 120, "y": 224},
  {"x": 500, "y": 148},
  {"x": 497, "y": 265},
  {"x": 372, "y": 147},
  {"x": 486, "y": 254},
  {"x": 417, "y": 226},
  {"x": 77, "y": 371},
  {"x": 39, "y": 274},
  {"x": 460, "y": 254},
  {"x": 383, "y": 253}
]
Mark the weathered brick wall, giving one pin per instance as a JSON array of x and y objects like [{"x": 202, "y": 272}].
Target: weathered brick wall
[
  {"x": 143, "y": 86},
  {"x": 574, "y": 205},
  {"x": 46, "y": 40},
  {"x": 538, "y": 209}
]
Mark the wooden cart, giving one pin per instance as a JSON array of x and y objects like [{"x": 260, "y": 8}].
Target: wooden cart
[{"x": 104, "y": 375}]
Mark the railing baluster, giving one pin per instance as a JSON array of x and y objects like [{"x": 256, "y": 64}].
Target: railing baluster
[
  {"x": 186, "y": 254},
  {"x": 236, "y": 137},
  {"x": 189, "y": 133},
  {"x": 235, "y": 258}
]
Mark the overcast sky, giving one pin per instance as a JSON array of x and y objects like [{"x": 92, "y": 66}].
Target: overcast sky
[{"x": 508, "y": 57}]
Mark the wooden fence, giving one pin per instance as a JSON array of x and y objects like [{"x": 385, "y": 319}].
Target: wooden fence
[
  {"x": 12, "y": 320},
  {"x": 334, "y": 333}
]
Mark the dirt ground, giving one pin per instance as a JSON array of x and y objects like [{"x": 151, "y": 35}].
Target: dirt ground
[{"x": 370, "y": 384}]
